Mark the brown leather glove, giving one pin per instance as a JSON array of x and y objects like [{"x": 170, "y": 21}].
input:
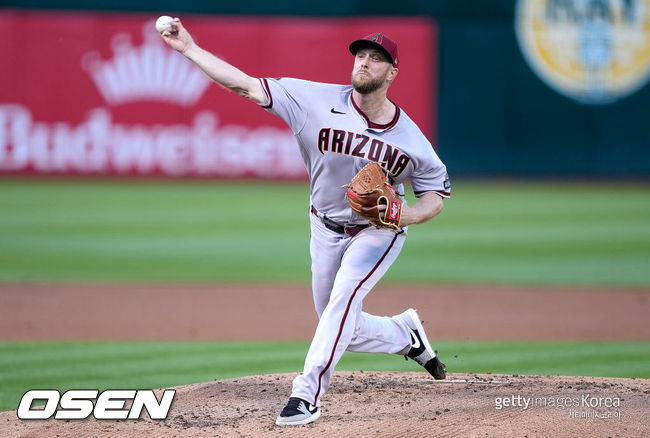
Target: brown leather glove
[{"x": 370, "y": 188}]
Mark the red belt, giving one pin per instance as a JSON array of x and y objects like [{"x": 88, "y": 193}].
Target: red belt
[{"x": 338, "y": 228}]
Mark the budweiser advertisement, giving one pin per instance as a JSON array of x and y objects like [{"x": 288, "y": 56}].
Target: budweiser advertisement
[{"x": 101, "y": 93}]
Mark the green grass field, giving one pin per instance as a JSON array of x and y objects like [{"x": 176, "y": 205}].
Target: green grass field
[
  {"x": 570, "y": 234},
  {"x": 489, "y": 233},
  {"x": 115, "y": 365}
]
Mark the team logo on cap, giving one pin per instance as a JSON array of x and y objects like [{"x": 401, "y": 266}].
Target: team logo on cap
[
  {"x": 594, "y": 51},
  {"x": 377, "y": 38}
]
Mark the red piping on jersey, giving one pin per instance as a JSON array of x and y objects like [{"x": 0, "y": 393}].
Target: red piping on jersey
[
  {"x": 373, "y": 125},
  {"x": 265, "y": 84},
  {"x": 347, "y": 310}
]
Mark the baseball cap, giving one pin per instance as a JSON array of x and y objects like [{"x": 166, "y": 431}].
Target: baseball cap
[{"x": 377, "y": 41}]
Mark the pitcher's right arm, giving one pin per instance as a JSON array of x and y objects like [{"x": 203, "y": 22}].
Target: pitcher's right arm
[{"x": 216, "y": 69}]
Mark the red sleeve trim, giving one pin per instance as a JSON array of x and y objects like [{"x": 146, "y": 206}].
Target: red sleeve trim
[{"x": 442, "y": 193}]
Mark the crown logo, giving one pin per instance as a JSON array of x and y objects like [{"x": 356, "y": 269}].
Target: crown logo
[{"x": 151, "y": 72}]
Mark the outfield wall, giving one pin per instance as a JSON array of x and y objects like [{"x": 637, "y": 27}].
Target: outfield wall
[
  {"x": 103, "y": 94},
  {"x": 510, "y": 88}
]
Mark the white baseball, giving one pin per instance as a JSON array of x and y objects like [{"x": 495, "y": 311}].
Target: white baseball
[{"x": 164, "y": 23}]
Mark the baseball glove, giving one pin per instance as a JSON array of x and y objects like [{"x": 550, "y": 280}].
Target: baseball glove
[{"x": 370, "y": 188}]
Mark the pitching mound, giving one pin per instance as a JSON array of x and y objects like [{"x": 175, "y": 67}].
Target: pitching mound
[{"x": 388, "y": 404}]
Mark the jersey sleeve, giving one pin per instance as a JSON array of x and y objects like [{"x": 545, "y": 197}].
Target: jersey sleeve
[
  {"x": 431, "y": 176},
  {"x": 287, "y": 100}
]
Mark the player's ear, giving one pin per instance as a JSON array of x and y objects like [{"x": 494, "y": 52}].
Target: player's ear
[{"x": 392, "y": 73}]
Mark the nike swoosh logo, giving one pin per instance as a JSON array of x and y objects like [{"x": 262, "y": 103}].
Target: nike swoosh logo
[
  {"x": 306, "y": 409},
  {"x": 416, "y": 339},
  {"x": 333, "y": 111}
]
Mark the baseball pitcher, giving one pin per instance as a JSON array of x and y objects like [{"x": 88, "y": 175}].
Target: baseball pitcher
[{"x": 359, "y": 148}]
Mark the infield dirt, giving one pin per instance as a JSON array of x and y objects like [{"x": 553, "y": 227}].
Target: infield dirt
[{"x": 239, "y": 312}]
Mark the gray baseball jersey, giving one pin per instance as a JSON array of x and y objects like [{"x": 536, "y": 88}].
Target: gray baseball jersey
[{"x": 337, "y": 139}]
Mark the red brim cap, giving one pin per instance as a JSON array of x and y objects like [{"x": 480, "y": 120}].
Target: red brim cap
[{"x": 378, "y": 41}]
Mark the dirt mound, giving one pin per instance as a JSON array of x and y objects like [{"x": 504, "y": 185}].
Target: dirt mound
[{"x": 387, "y": 404}]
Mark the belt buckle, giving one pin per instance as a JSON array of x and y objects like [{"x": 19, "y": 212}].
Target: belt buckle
[{"x": 353, "y": 230}]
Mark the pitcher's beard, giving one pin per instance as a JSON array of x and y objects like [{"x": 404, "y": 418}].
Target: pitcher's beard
[{"x": 367, "y": 86}]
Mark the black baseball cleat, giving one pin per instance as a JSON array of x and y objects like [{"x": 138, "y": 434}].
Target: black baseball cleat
[
  {"x": 421, "y": 350},
  {"x": 297, "y": 412},
  {"x": 436, "y": 368}
]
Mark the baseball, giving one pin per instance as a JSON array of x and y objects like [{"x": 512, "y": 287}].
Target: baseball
[{"x": 164, "y": 23}]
